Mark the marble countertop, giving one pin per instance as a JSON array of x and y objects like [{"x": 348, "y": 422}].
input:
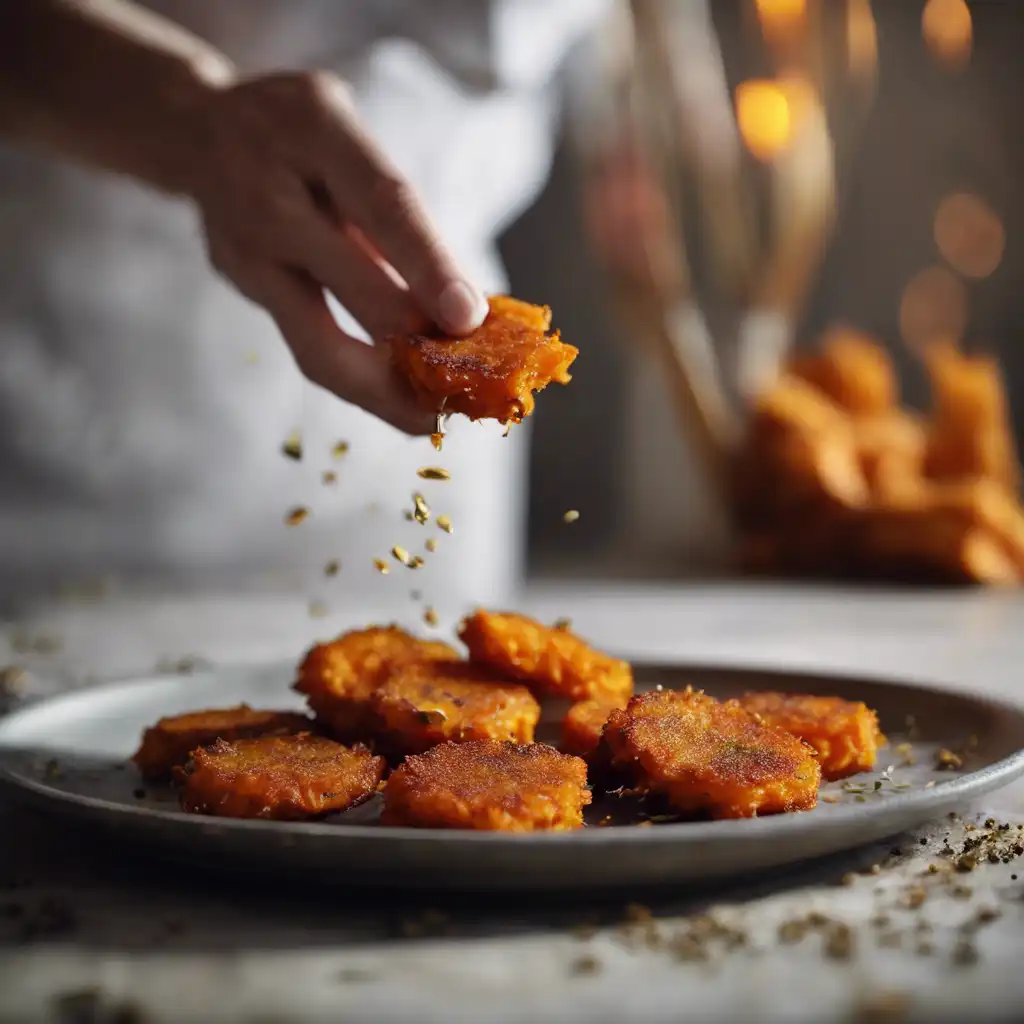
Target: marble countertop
[{"x": 91, "y": 933}]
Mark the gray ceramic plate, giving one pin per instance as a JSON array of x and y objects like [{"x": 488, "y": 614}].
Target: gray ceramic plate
[{"x": 67, "y": 755}]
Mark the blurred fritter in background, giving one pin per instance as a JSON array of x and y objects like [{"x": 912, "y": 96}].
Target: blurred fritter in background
[{"x": 784, "y": 233}]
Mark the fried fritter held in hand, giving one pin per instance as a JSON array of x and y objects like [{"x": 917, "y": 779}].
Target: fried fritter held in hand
[
  {"x": 494, "y": 372},
  {"x": 489, "y": 786},
  {"x": 713, "y": 758},
  {"x": 549, "y": 659},
  {"x": 421, "y": 705},
  {"x": 338, "y": 678},
  {"x": 844, "y": 734},
  {"x": 286, "y": 778},
  {"x": 168, "y": 744}
]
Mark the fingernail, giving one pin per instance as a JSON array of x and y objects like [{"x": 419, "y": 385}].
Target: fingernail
[{"x": 462, "y": 308}]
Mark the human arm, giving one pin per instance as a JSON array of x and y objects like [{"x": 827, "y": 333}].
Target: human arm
[{"x": 294, "y": 195}]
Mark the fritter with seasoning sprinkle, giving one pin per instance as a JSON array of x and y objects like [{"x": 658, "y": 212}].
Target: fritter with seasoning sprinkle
[
  {"x": 844, "y": 734},
  {"x": 548, "y": 659},
  {"x": 284, "y": 778},
  {"x": 707, "y": 757},
  {"x": 494, "y": 372},
  {"x": 339, "y": 677},
  {"x": 489, "y": 786},
  {"x": 427, "y": 703},
  {"x": 168, "y": 744}
]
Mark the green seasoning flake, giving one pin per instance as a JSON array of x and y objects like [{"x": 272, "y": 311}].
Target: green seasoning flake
[{"x": 292, "y": 446}]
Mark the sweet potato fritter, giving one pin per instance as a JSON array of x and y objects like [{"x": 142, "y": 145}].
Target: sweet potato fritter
[
  {"x": 339, "y": 677},
  {"x": 844, "y": 734},
  {"x": 285, "y": 778},
  {"x": 494, "y": 372},
  {"x": 423, "y": 704},
  {"x": 582, "y": 727},
  {"x": 490, "y": 786},
  {"x": 168, "y": 744},
  {"x": 853, "y": 369},
  {"x": 547, "y": 658},
  {"x": 709, "y": 757}
]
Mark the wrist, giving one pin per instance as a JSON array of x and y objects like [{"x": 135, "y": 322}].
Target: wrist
[{"x": 182, "y": 123}]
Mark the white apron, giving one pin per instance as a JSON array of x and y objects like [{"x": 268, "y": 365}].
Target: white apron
[{"x": 143, "y": 403}]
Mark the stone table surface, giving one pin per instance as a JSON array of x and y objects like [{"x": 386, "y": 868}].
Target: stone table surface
[{"x": 877, "y": 934}]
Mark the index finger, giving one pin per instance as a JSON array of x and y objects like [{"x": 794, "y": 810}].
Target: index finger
[{"x": 369, "y": 191}]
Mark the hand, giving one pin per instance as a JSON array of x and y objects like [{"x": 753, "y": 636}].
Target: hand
[{"x": 297, "y": 199}]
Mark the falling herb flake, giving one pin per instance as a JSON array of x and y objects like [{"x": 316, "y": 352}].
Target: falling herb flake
[
  {"x": 946, "y": 760},
  {"x": 382, "y": 567},
  {"x": 340, "y": 450},
  {"x": 562, "y": 625},
  {"x": 430, "y": 617},
  {"x": 329, "y": 478},
  {"x": 296, "y": 516},
  {"x": 431, "y": 545},
  {"x": 420, "y": 509},
  {"x": 292, "y": 446},
  {"x": 400, "y": 554},
  {"x": 571, "y": 516},
  {"x": 317, "y": 609},
  {"x": 445, "y": 524},
  {"x": 416, "y": 562},
  {"x": 332, "y": 568},
  {"x": 433, "y": 473},
  {"x": 437, "y": 435}
]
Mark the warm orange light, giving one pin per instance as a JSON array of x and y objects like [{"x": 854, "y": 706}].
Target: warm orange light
[
  {"x": 780, "y": 15},
  {"x": 933, "y": 308},
  {"x": 969, "y": 235},
  {"x": 765, "y": 117},
  {"x": 861, "y": 38},
  {"x": 946, "y": 25}
]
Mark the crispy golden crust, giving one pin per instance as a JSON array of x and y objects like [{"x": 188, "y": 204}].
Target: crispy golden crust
[
  {"x": 490, "y": 786},
  {"x": 709, "y": 757},
  {"x": 547, "y": 658},
  {"x": 338, "y": 678},
  {"x": 582, "y": 727},
  {"x": 844, "y": 734},
  {"x": 284, "y": 778},
  {"x": 421, "y": 705},
  {"x": 168, "y": 744},
  {"x": 494, "y": 372}
]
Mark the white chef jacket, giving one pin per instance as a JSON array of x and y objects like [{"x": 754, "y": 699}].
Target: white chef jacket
[{"x": 143, "y": 402}]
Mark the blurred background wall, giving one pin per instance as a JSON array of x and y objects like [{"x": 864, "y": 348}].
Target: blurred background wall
[{"x": 609, "y": 446}]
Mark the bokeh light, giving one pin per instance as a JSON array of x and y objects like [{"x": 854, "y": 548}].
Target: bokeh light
[
  {"x": 969, "y": 235},
  {"x": 780, "y": 15},
  {"x": 861, "y": 39},
  {"x": 764, "y": 114},
  {"x": 933, "y": 308},
  {"x": 948, "y": 34}
]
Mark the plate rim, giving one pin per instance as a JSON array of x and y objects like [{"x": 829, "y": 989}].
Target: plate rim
[{"x": 959, "y": 789}]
